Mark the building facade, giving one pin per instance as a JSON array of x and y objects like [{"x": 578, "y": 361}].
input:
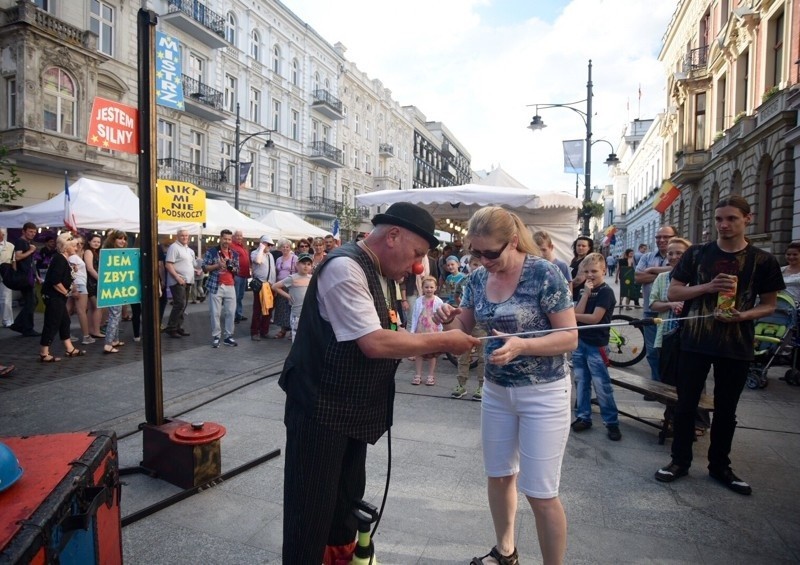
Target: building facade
[{"x": 732, "y": 99}]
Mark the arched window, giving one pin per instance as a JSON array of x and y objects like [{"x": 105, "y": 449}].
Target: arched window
[
  {"x": 327, "y": 85},
  {"x": 316, "y": 82},
  {"x": 736, "y": 184},
  {"x": 255, "y": 45},
  {"x": 276, "y": 60},
  {"x": 766, "y": 191},
  {"x": 59, "y": 101},
  {"x": 295, "y": 72},
  {"x": 230, "y": 28},
  {"x": 697, "y": 220}
]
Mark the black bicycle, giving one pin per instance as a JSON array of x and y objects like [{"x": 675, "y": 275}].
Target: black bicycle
[{"x": 626, "y": 345}]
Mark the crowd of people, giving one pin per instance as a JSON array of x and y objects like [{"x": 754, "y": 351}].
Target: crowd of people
[{"x": 394, "y": 295}]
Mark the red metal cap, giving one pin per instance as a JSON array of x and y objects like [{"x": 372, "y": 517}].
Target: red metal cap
[{"x": 197, "y": 433}]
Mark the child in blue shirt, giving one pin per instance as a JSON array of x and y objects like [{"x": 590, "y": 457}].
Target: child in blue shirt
[
  {"x": 453, "y": 287},
  {"x": 595, "y": 306}
]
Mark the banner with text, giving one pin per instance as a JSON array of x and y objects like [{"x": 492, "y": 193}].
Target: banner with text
[
  {"x": 113, "y": 126},
  {"x": 180, "y": 201},
  {"x": 118, "y": 278},
  {"x": 169, "y": 84}
]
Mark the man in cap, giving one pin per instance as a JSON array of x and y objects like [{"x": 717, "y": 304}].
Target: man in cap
[
  {"x": 339, "y": 379},
  {"x": 263, "y": 265}
]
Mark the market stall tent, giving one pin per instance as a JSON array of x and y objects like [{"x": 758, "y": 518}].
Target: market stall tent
[{"x": 291, "y": 226}]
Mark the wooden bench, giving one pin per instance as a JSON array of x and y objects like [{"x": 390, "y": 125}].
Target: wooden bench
[{"x": 664, "y": 393}]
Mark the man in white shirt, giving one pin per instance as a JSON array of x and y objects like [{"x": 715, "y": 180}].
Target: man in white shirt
[
  {"x": 6, "y": 256},
  {"x": 180, "y": 276}
]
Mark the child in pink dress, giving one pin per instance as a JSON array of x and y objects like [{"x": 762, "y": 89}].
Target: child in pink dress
[{"x": 422, "y": 323}]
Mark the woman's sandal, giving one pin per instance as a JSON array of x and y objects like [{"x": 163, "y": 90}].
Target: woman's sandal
[
  {"x": 76, "y": 352},
  {"x": 512, "y": 559},
  {"x": 109, "y": 351},
  {"x": 280, "y": 335},
  {"x": 49, "y": 358},
  {"x": 118, "y": 344},
  {"x": 430, "y": 381},
  {"x": 98, "y": 336},
  {"x": 417, "y": 380},
  {"x": 7, "y": 370}
]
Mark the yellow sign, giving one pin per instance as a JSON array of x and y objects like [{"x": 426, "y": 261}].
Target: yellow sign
[{"x": 180, "y": 201}]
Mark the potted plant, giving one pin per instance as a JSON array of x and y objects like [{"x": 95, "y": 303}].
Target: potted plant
[
  {"x": 738, "y": 117},
  {"x": 769, "y": 93},
  {"x": 719, "y": 135}
]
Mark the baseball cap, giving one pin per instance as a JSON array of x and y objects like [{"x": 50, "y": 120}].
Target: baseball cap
[
  {"x": 305, "y": 257},
  {"x": 267, "y": 239}
]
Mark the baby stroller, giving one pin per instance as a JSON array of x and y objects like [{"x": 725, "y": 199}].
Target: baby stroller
[{"x": 774, "y": 338}]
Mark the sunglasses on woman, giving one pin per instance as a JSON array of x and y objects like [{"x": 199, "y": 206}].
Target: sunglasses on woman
[{"x": 490, "y": 255}]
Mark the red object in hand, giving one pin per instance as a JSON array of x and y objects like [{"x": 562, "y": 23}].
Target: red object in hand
[{"x": 417, "y": 269}]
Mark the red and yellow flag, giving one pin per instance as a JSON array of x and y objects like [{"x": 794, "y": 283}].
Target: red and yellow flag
[{"x": 668, "y": 194}]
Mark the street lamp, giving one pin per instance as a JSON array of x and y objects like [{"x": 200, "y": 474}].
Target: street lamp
[
  {"x": 537, "y": 123},
  {"x": 237, "y": 162}
]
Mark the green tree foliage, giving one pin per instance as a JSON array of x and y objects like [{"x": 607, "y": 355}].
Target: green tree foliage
[{"x": 10, "y": 188}]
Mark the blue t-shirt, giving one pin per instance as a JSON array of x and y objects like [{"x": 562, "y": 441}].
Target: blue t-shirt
[{"x": 542, "y": 290}]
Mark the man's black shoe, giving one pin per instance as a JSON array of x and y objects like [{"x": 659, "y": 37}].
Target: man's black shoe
[
  {"x": 613, "y": 433},
  {"x": 242, "y": 318},
  {"x": 31, "y": 333},
  {"x": 173, "y": 333},
  {"x": 580, "y": 425},
  {"x": 183, "y": 332},
  {"x": 671, "y": 472},
  {"x": 15, "y": 328},
  {"x": 730, "y": 480}
]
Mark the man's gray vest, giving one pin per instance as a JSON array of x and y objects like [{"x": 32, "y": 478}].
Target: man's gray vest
[{"x": 334, "y": 383}]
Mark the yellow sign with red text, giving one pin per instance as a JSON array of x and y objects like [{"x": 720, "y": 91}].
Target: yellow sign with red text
[
  {"x": 113, "y": 126},
  {"x": 180, "y": 201}
]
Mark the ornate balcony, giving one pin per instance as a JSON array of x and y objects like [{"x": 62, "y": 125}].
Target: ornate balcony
[
  {"x": 327, "y": 155},
  {"x": 327, "y": 104},
  {"x": 386, "y": 150},
  {"x": 204, "y": 177},
  {"x": 386, "y": 182},
  {"x": 197, "y": 20},
  {"x": 696, "y": 60},
  {"x": 202, "y": 100},
  {"x": 772, "y": 107},
  {"x": 733, "y": 136},
  {"x": 28, "y": 13},
  {"x": 324, "y": 208},
  {"x": 689, "y": 167}
]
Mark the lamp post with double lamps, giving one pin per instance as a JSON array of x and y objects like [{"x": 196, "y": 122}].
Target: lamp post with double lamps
[
  {"x": 237, "y": 162},
  {"x": 537, "y": 123}
]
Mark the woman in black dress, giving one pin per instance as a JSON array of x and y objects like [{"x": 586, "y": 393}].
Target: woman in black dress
[{"x": 55, "y": 291}]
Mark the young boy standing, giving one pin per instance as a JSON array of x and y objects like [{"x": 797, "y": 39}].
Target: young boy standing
[
  {"x": 453, "y": 286},
  {"x": 293, "y": 288},
  {"x": 595, "y": 306}
]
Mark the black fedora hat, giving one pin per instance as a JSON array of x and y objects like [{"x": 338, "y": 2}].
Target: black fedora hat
[{"x": 411, "y": 217}]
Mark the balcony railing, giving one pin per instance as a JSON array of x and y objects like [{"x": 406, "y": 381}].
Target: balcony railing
[
  {"x": 327, "y": 104},
  {"x": 386, "y": 150},
  {"x": 769, "y": 109},
  {"x": 696, "y": 59},
  {"x": 327, "y": 155},
  {"x": 199, "y": 13},
  {"x": 689, "y": 166},
  {"x": 325, "y": 205},
  {"x": 736, "y": 132},
  {"x": 201, "y": 92},
  {"x": 27, "y": 12},
  {"x": 204, "y": 177}
]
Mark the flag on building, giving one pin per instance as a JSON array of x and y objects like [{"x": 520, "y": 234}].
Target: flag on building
[
  {"x": 667, "y": 194},
  {"x": 69, "y": 216},
  {"x": 335, "y": 229}
]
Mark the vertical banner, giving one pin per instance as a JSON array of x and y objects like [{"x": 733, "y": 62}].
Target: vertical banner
[
  {"x": 573, "y": 156},
  {"x": 169, "y": 84},
  {"x": 666, "y": 195},
  {"x": 118, "y": 277}
]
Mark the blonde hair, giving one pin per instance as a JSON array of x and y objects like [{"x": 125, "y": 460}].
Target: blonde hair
[
  {"x": 593, "y": 258},
  {"x": 685, "y": 242},
  {"x": 430, "y": 279},
  {"x": 63, "y": 239},
  {"x": 499, "y": 223}
]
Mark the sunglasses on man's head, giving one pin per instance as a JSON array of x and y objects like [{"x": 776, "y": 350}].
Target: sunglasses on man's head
[{"x": 490, "y": 255}]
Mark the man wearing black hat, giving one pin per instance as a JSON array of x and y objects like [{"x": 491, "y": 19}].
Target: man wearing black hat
[{"x": 339, "y": 380}]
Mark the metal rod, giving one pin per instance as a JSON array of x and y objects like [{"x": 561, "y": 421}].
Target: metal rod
[{"x": 635, "y": 323}]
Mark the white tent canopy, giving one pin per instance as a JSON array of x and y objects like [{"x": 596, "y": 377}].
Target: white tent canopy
[
  {"x": 553, "y": 212},
  {"x": 100, "y": 205},
  {"x": 291, "y": 226}
]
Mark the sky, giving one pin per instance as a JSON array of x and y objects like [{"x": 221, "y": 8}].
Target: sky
[{"x": 478, "y": 65}]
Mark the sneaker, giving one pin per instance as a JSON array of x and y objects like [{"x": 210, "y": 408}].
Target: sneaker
[
  {"x": 613, "y": 432},
  {"x": 580, "y": 425},
  {"x": 671, "y": 472},
  {"x": 137, "y": 339},
  {"x": 478, "y": 394},
  {"x": 255, "y": 337},
  {"x": 729, "y": 479},
  {"x": 230, "y": 342},
  {"x": 87, "y": 339},
  {"x": 215, "y": 342},
  {"x": 458, "y": 392}
]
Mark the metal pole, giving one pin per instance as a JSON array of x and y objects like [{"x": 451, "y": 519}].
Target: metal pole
[
  {"x": 587, "y": 177},
  {"x": 148, "y": 218},
  {"x": 238, "y": 160}
]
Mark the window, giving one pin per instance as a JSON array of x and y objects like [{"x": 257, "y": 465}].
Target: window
[
  {"x": 314, "y": 130},
  {"x": 276, "y": 115},
  {"x": 255, "y": 45},
  {"x": 295, "y": 125},
  {"x": 367, "y": 163},
  {"x": 295, "y": 72},
  {"x": 255, "y": 105},
  {"x": 230, "y": 93},
  {"x": 742, "y": 82},
  {"x": 344, "y": 113},
  {"x": 357, "y": 124},
  {"x": 273, "y": 175},
  {"x": 276, "y": 60},
  {"x": 292, "y": 169},
  {"x": 227, "y": 153},
  {"x": 46, "y": 5},
  {"x": 775, "y": 62},
  {"x": 59, "y": 101},
  {"x": 11, "y": 100},
  {"x": 312, "y": 181},
  {"x": 316, "y": 82},
  {"x": 166, "y": 139},
  {"x": 249, "y": 180},
  {"x": 196, "y": 150},
  {"x": 368, "y": 130},
  {"x": 722, "y": 88},
  {"x": 325, "y": 133},
  {"x": 196, "y": 67},
  {"x": 356, "y": 158},
  {"x": 324, "y": 183},
  {"x": 230, "y": 28},
  {"x": 101, "y": 22}
]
